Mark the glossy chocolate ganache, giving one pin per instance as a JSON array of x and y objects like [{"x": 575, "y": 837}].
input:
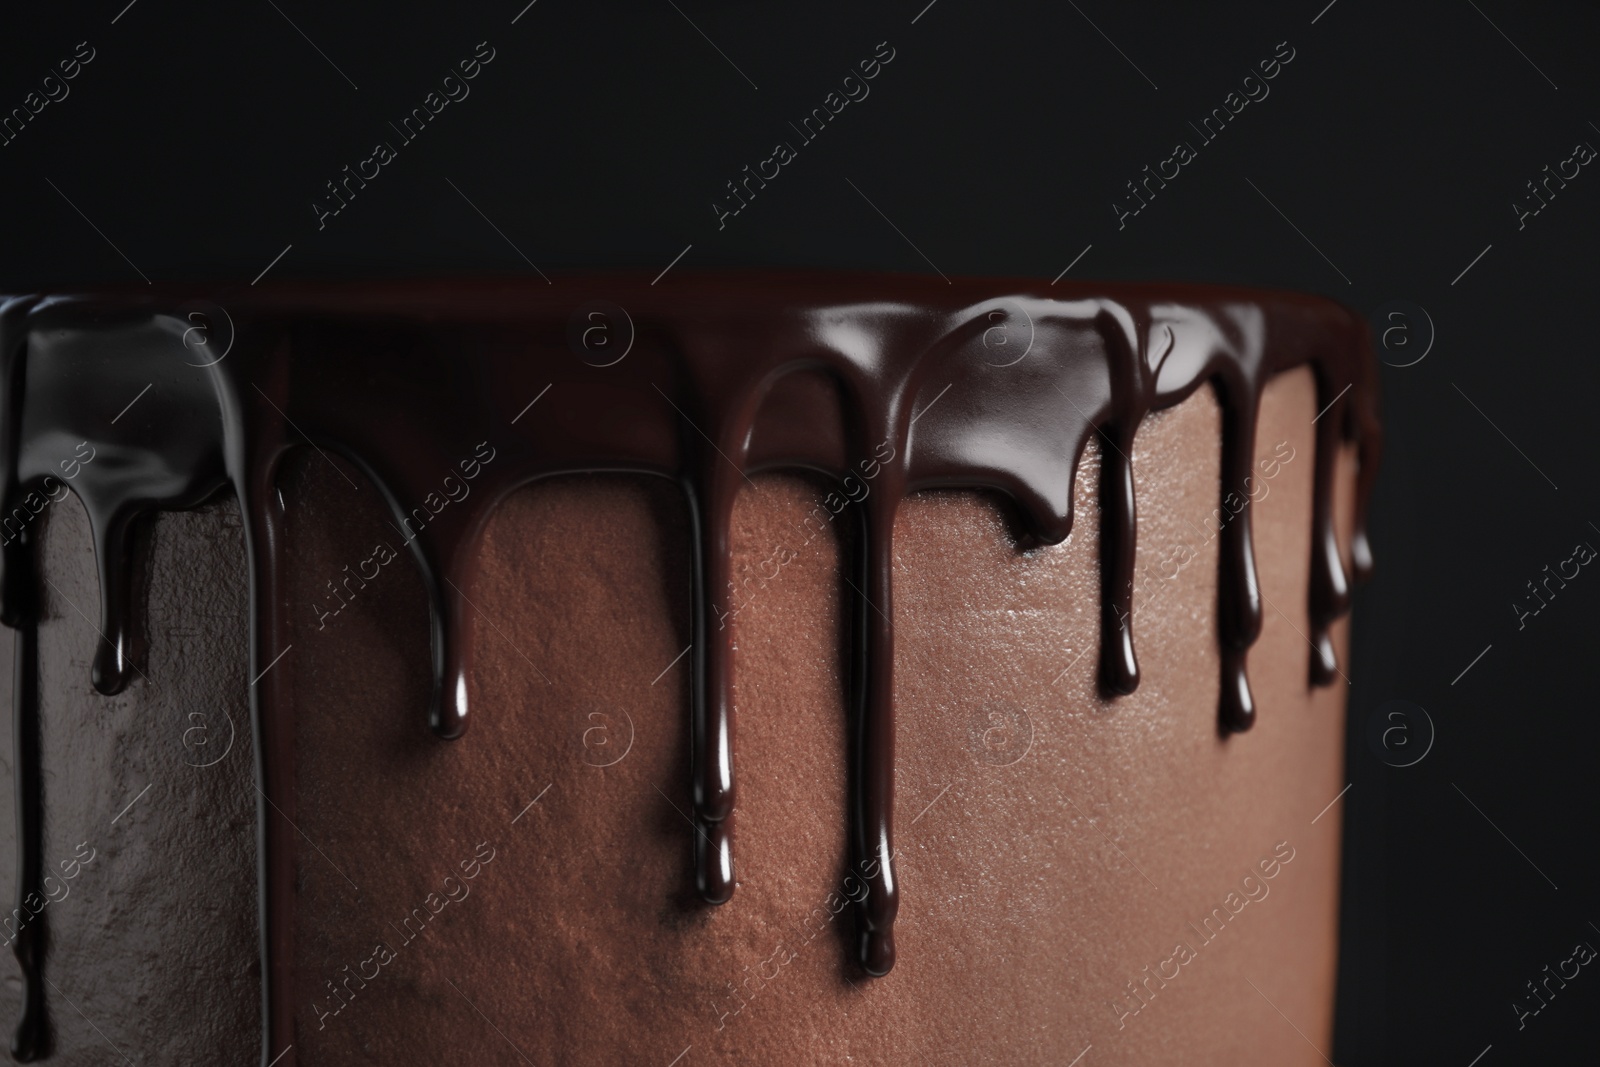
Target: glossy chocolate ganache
[{"x": 450, "y": 396}]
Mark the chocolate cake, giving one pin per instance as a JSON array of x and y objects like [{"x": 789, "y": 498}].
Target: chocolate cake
[{"x": 1002, "y": 778}]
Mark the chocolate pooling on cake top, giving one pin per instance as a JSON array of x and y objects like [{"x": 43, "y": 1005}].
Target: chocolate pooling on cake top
[{"x": 886, "y": 384}]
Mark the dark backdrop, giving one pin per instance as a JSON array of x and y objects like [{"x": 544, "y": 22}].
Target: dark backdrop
[{"x": 1384, "y": 162}]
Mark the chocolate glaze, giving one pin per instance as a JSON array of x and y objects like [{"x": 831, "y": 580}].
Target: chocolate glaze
[
  {"x": 29, "y": 1041},
  {"x": 428, "y": 389}
]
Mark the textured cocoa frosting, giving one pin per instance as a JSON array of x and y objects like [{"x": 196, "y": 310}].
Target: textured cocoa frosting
[{"x": 448, "y": 398}]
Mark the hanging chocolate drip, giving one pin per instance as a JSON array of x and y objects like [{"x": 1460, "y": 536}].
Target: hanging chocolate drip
[
  {"x": 113, "y": 550},
  {"x": 711, "y": 690},
  {"x": 28, "y": 1042},
  {"x": 253, "y": 463},
  {"x": 19, "y": 609},
  {"x": 1361, "y": 426},
  {"x": 448, "y": 613},
  {"x": 1119, "y": 669},
  {"x": 1330, "y": 591},
  {"x": 1367, "y": 454},
  {"x": 1238, "y": 590},
  {"x": 16, "y": 596},
  {"x": 872, "y": 728},
  {"x": 428, "y": 388},
  {"x": 61, "y": 389},
  {"x": 1123, "y": 333},
  {"x": 272, "y": 727}
]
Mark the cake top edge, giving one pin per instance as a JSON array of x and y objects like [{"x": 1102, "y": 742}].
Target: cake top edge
[{"x": 489, "y": 293}]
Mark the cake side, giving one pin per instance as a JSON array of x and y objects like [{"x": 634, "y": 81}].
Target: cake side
[
  {"x": 1054, "y": 845},
  {"x": 147, "y": 904},
  {"x": 716, "y": 359}
]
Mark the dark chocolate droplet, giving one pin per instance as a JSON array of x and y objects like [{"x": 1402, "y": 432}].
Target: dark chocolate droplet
[
  {"x": 1361, "y": 427},
  {"x": 1368, "y": 448},
  {"x": 1238, "y": 710},
  {"x": 713, "y": 860},
  {"x": 1360, "y": 556},
  {"x": 447, "y": 714},
  {"x": 1324, "y": 660}
]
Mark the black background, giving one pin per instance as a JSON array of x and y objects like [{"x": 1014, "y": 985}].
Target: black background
[{"x": 997, "y": 140}]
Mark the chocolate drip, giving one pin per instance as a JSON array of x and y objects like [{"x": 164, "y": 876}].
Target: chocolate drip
[
  {"x": 1330, "y": 591},
  {"x": 28, "y": 1042},
  {"x": 711, "y": 695},
  {"x": 272, "y": 727},
  {"x": 1123, "y": 332},
  {"x": 1239, "y": 614},
  {"x": 113, "y": 550},
  {"x": 16, "y": 594},
  {"x": 165, "y": 453},
  {"x": 19, "y": 610},
  {"x": 1361, "y": 425},
  {"x": 428, "y": 388},
  {"x": 1119, "y": 669},
  {"x": 872, "y": 731}
]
